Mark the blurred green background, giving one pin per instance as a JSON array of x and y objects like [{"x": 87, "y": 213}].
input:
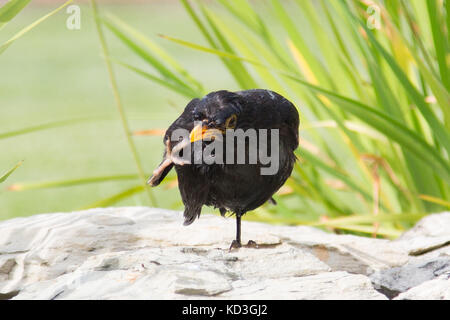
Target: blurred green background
[{"x": 373, "y": 99}]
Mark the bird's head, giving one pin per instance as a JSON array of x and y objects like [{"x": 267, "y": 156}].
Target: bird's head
[{"x": 214, "y": 114}]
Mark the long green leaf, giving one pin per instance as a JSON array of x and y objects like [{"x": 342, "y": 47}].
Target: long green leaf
[
  {"x": 440, "y": 41},
  {"x": 248, "y": 49},
  {"x": 115, "y": 198},
  {"x": 175, "y": 87},
  {"x": 11, "y": 9},
  {"x": 340, "y": 225},
  {"x": 236, "y": 68},
  {"x": 158, "y": 52},
  {"x": 120, "y": 108},
  {"x": 49, "y": 125},
  {"x": 244, "y": 12},
  {"x": 336, "y": 173},
  {"x": 219, "y": 53},
  {"x": 390, "y": 127},
  {"x": 295, "y": 35},
  {"x": 147, "y": 56},
  {"x": 436, "y": 126},
  {"x": 440, "y": 91},
  {"x": 368, "y": 219},
  {"x": 25, "y": 186},
  {"x": 388, "y": 232},
  {"x": 6, "y": 44},
  {"x": 226, "y": 55},
  {"x": 9, "y": 172}
]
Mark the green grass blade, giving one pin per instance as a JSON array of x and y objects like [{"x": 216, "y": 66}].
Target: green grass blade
[
  {"x": 440, "y": 40},
  {"x": 173, "y": 86},
  {"x": 11, "y": 9},
  {"x": 340, "y": 225},
  {"x": 435, "y": 200},
  {"x": 334, "y": 172},
  {"x": 49, "y": 125},
  {"x": 9, "y": 172},
  {"x": 387, "y": 232},
  {"x": 437, "y": 87},
  {"x": 224, "y": 54},
  {"x": 199, "y": 23},
  {"x": 250, "y": 48},
  {"x": 109, "y": 201},
  {"x": 120, "y": 109},
  {"x": 415, "y": 29},
  {"x": 236, "y": 67},
  {"x": 6, "y": 44},
  {"x": 264, "y": 70},
  {"x": 244, "y": 12},
  {"x": 146, "y": 55},
  {"x": 219, "y": 53},
  {"x": 325, "y": 43},
  {"x": 436, "y": 126},
  {"x": 25, "y": 186},
  {"x": 158, "y": 51},
  {"x": 294, "y": 34},
  {"x": 442, "y": 95},
  {"x": 392, "y": 128},
  {"x": 447, "y": 20},
  {"x": 368, "y": 219}
]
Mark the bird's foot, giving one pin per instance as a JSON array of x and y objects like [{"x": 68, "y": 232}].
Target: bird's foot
[
  {"x": 251, "y": 244},
  {"x": 235, "y": 245}
]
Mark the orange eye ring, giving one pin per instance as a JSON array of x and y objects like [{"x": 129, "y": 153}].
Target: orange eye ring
[{"x": 231, "y": 122}]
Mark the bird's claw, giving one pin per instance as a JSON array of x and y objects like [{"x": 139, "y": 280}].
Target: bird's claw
[
  {"x": 252, "y": 244},
  {"x": 235, "y": 245}
]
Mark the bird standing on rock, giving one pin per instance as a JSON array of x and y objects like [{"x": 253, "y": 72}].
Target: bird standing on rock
[{"x": 227, "y": 182}]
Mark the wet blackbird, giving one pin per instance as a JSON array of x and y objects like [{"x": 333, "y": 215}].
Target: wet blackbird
[{"x": 230, "y": 186}]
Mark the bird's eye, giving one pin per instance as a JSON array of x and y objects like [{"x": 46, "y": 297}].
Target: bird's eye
[{"x": 231, "y": 122}]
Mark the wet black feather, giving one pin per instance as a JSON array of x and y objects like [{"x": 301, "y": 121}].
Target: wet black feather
[{"x": 235, "y": 187}]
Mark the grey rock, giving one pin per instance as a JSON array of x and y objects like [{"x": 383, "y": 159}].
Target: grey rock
[
  {"x": 146, "y": 253},
  {"x": 430, "y": 233},
  {"x": 397, "y": 280},
  {"x": 324, "y": 286},
  {"x": 7, "y": 266},
  {"x": 354, "y": 254},
  {"x": 436, "y": 289},
  {"x": 434, "y": 225},
  {"x": 427, "y": 245}
]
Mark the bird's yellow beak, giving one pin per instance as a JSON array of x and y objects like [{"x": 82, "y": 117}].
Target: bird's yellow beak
[
  {"x": 202, "y": 132},
  {"x": 198, "y": 132}
]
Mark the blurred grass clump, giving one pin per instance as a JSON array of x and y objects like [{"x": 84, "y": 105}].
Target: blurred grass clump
[{"x": 371, "y": 80}]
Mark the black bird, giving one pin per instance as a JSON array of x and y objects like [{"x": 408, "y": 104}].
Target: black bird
[{"x": 230, "y": 187}]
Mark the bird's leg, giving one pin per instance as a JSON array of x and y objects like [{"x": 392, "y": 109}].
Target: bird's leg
[{"x": 237, "y": 242}]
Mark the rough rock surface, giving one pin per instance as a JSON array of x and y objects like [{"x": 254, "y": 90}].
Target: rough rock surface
[{"x": 144, "y": 253}]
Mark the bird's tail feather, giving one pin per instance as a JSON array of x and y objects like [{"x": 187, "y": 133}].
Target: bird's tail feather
[{"x": 191, "y": 213}]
